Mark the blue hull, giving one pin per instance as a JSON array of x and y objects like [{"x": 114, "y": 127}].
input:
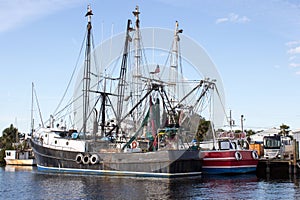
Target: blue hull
[
  {"x": 233, "y": 170},
  {"x": 116, "y": 173}
]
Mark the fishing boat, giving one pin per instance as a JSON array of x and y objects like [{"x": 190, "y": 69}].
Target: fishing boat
[
  {"x": 229, "y": 157},
  {"x": 116, "y": 131},
  {"x": 228, "y": 153},
  {"x": 21, "y": 154},
  {"x": 19, "y": 157}
]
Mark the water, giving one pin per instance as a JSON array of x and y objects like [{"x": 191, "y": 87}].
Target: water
[{"x": 28, "y": 183}]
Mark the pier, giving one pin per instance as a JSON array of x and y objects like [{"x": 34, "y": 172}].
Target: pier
[
  {"x": 276, "y": 168},
  {"x": 286, "y": 166}
]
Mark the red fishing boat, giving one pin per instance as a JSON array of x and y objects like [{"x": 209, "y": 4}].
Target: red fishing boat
[
  {"x": 225, "y": 152},
  {"x": 229, "y": 156}
]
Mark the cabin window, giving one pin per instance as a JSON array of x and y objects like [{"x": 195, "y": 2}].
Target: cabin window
[
  {"x": 8, "y": 153},
  {"x": 224, "y": 145},
  {"x": 45, "y": 135},
  {"x": 55, "y": 142},
  {"x": 67, "y": 143}
]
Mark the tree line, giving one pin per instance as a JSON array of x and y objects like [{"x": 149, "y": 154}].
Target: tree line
[{"x": 9, "y": 141}]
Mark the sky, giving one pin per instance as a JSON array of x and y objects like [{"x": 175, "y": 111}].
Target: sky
[{"x": 255, "y": 46}]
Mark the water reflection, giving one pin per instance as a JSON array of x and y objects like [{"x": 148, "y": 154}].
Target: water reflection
[
  {"x": 97, "y": 187},
  {"x": 101, "y": 187},
  {"x": 12, "y": 168},
  {"x": 64, "y": 186},
  {"x": 19, "y": 183},
  {"x": 227, "y": 187}
]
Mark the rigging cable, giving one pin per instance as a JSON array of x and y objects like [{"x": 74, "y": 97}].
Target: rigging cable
[
  {"x": 76, "y": 65},
  {"x": 37, "y": 102},
  {"x": 223, "y": 107}
]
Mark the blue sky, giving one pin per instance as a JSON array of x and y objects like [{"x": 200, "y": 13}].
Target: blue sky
[{"x": 254, "y": 44}]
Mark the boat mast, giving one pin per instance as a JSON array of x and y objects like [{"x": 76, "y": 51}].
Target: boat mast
[
  {"x": 174, "y": 63},
  {"x": 31, "y": 117},
  {"x": 137, "y": 45},
  {"x": 231, "y": 121},
  {"x": 87, "y": 68},
  {"x": 122, "y": 78},
  {"x": 137, "y": 61}
]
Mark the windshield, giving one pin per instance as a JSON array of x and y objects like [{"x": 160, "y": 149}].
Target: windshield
[{"x": 272, "y": 143}]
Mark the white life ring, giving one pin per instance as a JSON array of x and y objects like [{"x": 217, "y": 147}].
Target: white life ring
[
  {"x": 94, "y": 159},
  {"x": 134, "y": 144},
  {"x": 86, "y": 159},
  {"x": 79, "y": 158},
  {"x": 254, "y": 155},
  {"x": 238, "y": 155}
]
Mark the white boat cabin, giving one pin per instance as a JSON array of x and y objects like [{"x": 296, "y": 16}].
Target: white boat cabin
[
  {"x": 13, "y": 154},
  {"x": 224, "y": 144}
]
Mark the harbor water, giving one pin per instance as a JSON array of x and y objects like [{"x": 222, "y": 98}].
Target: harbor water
[{"x": 28, "y": 183}]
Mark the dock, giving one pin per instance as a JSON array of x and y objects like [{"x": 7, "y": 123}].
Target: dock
[
  {"x": 286, "y": 166},
  {"x": 276, "y": 168}
]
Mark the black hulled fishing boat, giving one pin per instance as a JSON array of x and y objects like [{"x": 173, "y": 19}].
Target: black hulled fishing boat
[{"x": 157, "y": 142}]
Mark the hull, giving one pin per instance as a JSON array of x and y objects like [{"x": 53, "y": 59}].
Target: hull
[
  {"x": 21, "y": 162},
  {"x": 229, "y": 161},
  {"x": 166, "y": 163}
]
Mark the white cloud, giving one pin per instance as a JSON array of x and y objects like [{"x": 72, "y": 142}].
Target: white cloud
[
  {"x": 292, "y": 43},
  {"x": 15, "y": 13},
  {"x": 295, "y": 50},
  {"x": 294, "y": 64},
  {"x": 221, "y": 20},
  {"x": 292, "y": 58},
  {"x": 277, "y": 66},
  {"x": 233, "y": 18}
]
